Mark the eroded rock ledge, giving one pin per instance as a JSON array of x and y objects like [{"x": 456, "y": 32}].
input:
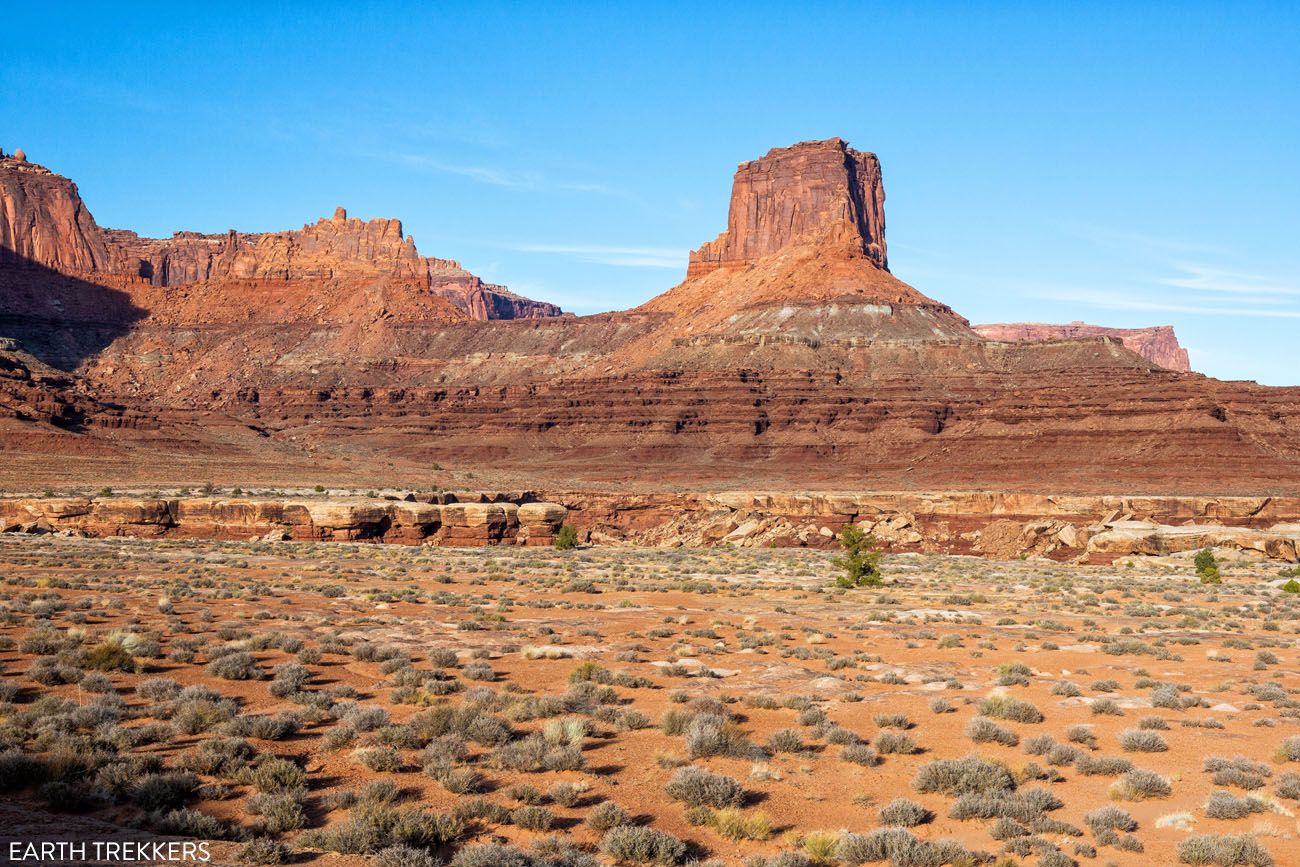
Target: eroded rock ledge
[
  {"x": 441, "y": 519},
  {"x": 1001, "y": 525}
]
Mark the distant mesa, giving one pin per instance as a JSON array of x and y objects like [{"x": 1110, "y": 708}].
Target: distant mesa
[{"x": 1158, "y": 343}]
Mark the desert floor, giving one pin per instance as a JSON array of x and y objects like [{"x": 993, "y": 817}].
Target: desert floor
[{"x": 338, "y": 704}]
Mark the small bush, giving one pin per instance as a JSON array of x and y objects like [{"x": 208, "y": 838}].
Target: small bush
[
  {"x": 567, "y": 538},
  {"x": 236, "y": 666},
  {"x": 1225, "y": 805},
  {"x": 533, "y": 818},
  {"x": 734, "y": 824},
  {"x": 263, "y": 852},
  {"x": 1011, "y": 709},
  {"x": 1138, "y": 785},
  {"x": 962, "y": 776},
  {"x": 629, "y": 844},
  {"x": 904, "y": 813},
  {"x": 607, "y": 815},
  {"x": 1140, "y": 741},
  {"x": 984, "y": 731},
  {"x": 897, "y": 743},
  {"x": 698, "y": 787},
  {"x": 1226, "y": 850}
]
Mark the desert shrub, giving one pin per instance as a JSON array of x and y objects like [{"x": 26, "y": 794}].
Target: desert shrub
[
  {"x": 1225, "y": 805},
  {"x": 1289, "y": 751},
  {"x": 192, "y": 823},
  {"x": 1081, "y": 734},
  {"x": 962, "y": 776},
  {"x": 1223, "y": 850},
  {"x": 607, "y": 815},
  {"x": 459, "y": 781},
  {"x": 239, "y": 665},
  {"x": 785, "y": 741},
  {"x": 892, "y": 721},
  {"x": 1102, "y": 766},
  {"x": 1140, "y": 741},
  {"x": 860, "y": 754},
  {"x": 1009, "y": 708},
  {"x": 218, "y": 757},
  {"x": 698, "y": 787},
  {"x": 379, "y": 758},
  {"x": 1153, "y": 723},
  {"x": 714, "y": 735},
  {"x": 97, "y": 682},
  {"x": 893, "y": 742},
  {"x": 532, "y": 818},
  {"x": 1109, "y": 819},
  {"x": 361, "y": 717},
  {"x": 275, "y": 775},
  {"x": 566, "y": 538},
  {"x": 478, "y": 670},
  {"x": 941, "y": 705},
  {"x": 629, "y": 844},
  {"x": 566, "y": 794},
  {"x": 112, "y": 654},
  {"x": 405, "y": 856},
  {"x": 288, "y": 678},
  {"x": 1067, "y": 688},
  {"x": 482, "y": 810},
  {"x": 734, "y": 824},
  {"x": 263, "y": 852},
  {"x": 491, "y": 855},
  {"x": 165, "y": 790},
  {"x": 533, "y": 754},
  {"x": 278, "y": 812},
  {"x": 1166, "y": 696},
  {"x": 1025, "y": 806},
  {"x": 1105, "y": 707},
  {"x": 983, "y": 731},
  {"x": 1288, "y": 786},
  {"x": 1207, "y": 567},
  {"x": 1138, "y": 785},
  {"x": 904, "y": 813},
  {"x": 900, "y": 848}
]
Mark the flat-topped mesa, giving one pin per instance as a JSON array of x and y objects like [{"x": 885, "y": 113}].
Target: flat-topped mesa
[
  {"x": 1157, "y": 344},
  {"x": 816, "y": 192}
]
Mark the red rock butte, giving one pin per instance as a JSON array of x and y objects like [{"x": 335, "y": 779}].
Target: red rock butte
[{"x": 788, "y": 359}]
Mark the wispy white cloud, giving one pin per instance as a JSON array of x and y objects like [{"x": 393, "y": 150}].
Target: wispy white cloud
[
  {"x": 1130, "y": 240},
  {"x": 499, "y": 177},
  {"x": 1114, "y": 300},
  {"x": 626, "y": 257},
  {"x": 1206, "y": 278}
]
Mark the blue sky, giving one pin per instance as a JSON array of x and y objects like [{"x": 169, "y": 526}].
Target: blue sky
[{"x": 1123, "y": 164}]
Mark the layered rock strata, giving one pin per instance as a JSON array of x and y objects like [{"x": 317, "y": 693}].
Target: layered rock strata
[
  {"x": 482, "y": 520},
  {"x": 1157, "y": 344}
]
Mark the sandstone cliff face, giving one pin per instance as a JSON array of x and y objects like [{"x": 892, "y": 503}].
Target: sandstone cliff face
[
  {"x": 1158, "y": 344},
  {"x": 43, "y": 221},
  {"x": 821, "y": 192}
]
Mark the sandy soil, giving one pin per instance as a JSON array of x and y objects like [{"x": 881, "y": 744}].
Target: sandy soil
[{"x": 759, "y": 637}]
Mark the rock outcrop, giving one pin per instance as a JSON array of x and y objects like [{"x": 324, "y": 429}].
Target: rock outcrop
[
  {"x": 822, "y": 193},
  {"x": 43, "y": 221},
  {"x": 495, "y": 519},
  {"x": 1157, "y": 344}
]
